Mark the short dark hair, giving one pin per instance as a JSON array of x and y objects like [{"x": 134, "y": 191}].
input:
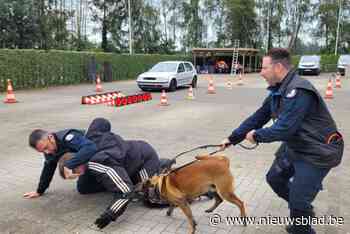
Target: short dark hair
[
  {"x": 61, "y": 162},
  {"x": 280, "y": 55},
  {"x": 36, "y": 136}
]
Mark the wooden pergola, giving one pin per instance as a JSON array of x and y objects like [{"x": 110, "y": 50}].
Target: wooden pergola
[{"x": 244, "y": 53}]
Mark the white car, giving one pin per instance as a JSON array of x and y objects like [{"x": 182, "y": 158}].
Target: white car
[
  {"x": 168, "y": 75},
  {"x": 309, "y": 64},
  {"x": 343, "y": 62}
]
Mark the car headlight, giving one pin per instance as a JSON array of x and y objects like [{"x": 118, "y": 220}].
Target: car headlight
[{"x": 164, "y": 79}]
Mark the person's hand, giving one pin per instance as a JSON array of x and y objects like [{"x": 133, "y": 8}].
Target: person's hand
[
  {"x": 250, "y": 137},
  {"x": 69, "y": 174},
  {"x": 225, "y": 143},
  {"x": 103, "y": 220},
  {"x": 33, "y": 194}
]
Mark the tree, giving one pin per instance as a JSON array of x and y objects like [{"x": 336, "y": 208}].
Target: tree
[
  {"x": 18, "y": 25},
  {"x": 327, "y": 13},
  {"x": 192, "y": 25},
  {"x": 219, "y": 23},
  {"x": 110, "y": 14},
  {"x": 146, "y": 36},
  {"x": 299, "y": 13},
  {"x": 241, "y": 22}
]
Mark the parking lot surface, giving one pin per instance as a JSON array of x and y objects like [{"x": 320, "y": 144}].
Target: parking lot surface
[{"x": 182, "y": 125}]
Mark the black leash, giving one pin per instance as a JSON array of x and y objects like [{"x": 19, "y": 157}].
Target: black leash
[
  {"x": 214, "y": 146},
  {"x": 204, "y": 147},
  {"x": 197, "y": 148}
]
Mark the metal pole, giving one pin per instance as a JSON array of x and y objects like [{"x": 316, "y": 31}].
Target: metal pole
[
  {"x": 130, "y": 30},
  {"x": 268, "y": 25},
  {"x": 337, "y": 37}
]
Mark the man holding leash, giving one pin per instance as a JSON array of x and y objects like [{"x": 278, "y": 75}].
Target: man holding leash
[{"x": 311, "y": 144}]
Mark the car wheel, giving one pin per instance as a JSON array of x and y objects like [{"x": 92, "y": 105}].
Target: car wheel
[
  {"x": 194, "y": 82},
  {"x": 172, "y": 86}
]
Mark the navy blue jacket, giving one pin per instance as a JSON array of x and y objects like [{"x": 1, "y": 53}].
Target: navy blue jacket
[
  {"x": 302, "y": 122},
  {"x": 70, "y": 140},
  {"x": 295, "y": 109}
]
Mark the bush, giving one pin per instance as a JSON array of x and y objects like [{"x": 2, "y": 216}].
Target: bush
[{"x": 39, "y": 69}]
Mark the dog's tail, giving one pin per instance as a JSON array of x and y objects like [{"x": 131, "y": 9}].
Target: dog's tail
[{"x": 218, "y": 157}]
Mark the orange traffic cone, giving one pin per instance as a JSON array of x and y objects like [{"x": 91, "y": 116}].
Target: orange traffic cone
[
  {"x": 87, "y": 100},
  {"x": 163, "y": 99},
  {"x": 98, "y": 84},
  {"x": 211, "y": 89},
  {"x": 190, "y": 95},
  {"x": 337, "y": 81},
  {"x": 229, "y": 83},
  {"x": 329, "y": 91},
  {"x": 10, "y": 96},
  {"x": 240, "y": 80},
  {"x": 110, "y": 102}
]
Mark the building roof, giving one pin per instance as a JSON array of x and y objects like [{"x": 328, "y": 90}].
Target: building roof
[{"x": 241, "y": 51}]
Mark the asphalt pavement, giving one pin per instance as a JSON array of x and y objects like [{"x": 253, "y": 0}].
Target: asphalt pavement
[{"x": 182, "y": 125}]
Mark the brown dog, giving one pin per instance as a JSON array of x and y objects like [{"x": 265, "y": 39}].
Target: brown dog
[{"x": 183, "y": 185}]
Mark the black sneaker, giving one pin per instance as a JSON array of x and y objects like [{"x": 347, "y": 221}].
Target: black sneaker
[{"x": 289, "y": 229}]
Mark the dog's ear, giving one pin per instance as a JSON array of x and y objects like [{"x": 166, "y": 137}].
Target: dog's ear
[
  {"x": 146, "y": 183},
  {"x": 151, "y": 182}
]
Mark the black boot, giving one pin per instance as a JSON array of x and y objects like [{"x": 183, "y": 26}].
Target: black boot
[
  {"x": 300, "y": 229},
  {"x": 289, "y": 229}
]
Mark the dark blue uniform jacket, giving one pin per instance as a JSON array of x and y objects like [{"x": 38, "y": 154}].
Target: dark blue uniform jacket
[
  {"x": 300, "y": 119},
  {"x": 70, "y": 140}
]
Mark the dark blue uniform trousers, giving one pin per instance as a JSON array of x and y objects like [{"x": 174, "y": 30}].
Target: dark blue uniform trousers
[{"x": 298, "y": 183}]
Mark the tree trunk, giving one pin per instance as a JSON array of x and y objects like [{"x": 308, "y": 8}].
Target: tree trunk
[
  {"x": 174, "y": 21},
  {"x": 295, "y": 33},
  {"x": 104, "y": 31}
]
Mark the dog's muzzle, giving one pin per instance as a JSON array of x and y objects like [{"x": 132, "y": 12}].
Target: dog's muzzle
[{"x": 153, "y": 199}]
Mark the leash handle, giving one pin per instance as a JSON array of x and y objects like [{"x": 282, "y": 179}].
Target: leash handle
[{"x": 249, "y": 147}]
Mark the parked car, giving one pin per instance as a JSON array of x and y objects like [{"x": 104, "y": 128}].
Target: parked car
[
  {"x": 168, "y": 75},
  {"x": 343, "y": 62},
  {"x": 309, "y": 64}
]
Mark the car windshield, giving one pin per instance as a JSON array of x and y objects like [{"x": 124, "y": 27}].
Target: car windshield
[
  {"x": 344, "y": 59},
  {"x": 309, "y": 59},
  {"x": 164, "y": 67}
]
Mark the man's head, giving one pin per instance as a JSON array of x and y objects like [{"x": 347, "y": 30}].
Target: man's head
[
  {"x": 275, "y": 65},
  {"x": 65, "y": 174},
  {"x": 43, "y": 141}
]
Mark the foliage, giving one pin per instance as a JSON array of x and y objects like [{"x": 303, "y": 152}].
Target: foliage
[{"x": 38, "y": 69}]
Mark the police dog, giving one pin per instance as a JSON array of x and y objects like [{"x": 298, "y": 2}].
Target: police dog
[{"x": 181, "y": 186}]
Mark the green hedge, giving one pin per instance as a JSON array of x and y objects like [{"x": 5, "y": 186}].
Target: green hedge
[
  {"x": 39, "y": 69},
  {"x": 328, "y": 62}
]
